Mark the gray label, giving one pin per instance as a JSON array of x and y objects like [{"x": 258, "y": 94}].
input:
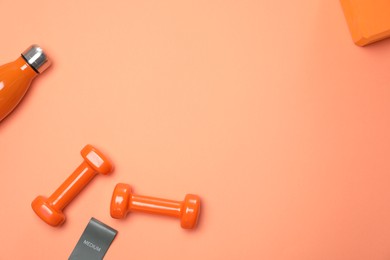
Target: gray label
[
  {"x": 94, "y": 242},
  {"x": 91, "y": 245}
]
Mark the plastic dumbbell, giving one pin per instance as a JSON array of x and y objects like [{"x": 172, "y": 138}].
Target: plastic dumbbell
[
  {"x": 124, "y": 201},
  {"x": 50, "y": 209}
]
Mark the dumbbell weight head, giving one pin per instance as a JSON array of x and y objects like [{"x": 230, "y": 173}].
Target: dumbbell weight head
[
  {"x": 97, "y": 160},
  {"x": 190, "y": 211},
  {"x": 120, "y": 201},
  {"x": 47, "y": 212}
]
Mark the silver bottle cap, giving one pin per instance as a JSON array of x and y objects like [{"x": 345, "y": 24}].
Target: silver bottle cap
[{"x": 35, "y": 56}]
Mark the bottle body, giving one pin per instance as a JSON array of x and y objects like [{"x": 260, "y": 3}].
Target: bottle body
[{"x": 15, "y": 79}]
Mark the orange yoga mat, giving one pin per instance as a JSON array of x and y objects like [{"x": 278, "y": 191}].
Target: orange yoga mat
[{"x": 368, "y": 20}]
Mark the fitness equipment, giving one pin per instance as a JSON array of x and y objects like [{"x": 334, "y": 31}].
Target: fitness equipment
[
  {"x": 50, "y": 209},
  {"x": 124, "y": 201},
  {"x": 368, "y": 20}
]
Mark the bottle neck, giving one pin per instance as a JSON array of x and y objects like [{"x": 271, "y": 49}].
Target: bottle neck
[{"x": 26, "y": 69}]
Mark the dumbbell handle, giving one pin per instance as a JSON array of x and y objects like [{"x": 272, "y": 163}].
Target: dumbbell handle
[
  {"x": 155, "y": 205},
  {"x": 72, "y": 186}
]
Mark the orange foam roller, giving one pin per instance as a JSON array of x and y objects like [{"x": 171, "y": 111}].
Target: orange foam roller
[
  {"x": 50, "y": 209},
  {"x": 124, "y": 201},
  {"x": 368, "y": 20}
]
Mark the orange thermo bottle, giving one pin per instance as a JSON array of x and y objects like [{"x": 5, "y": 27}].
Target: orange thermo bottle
[{"x": 16, "y": 77}]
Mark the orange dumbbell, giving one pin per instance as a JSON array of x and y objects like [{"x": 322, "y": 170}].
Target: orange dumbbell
[
  {"x": 123, "y": 201},
  {"x": 50, "y": 209}
]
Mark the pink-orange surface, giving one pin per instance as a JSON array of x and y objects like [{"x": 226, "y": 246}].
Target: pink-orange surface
[{"x": 266, "y": 109}]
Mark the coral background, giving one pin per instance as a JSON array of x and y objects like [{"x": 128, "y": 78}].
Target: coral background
[{"x": 266, "y": 109}]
